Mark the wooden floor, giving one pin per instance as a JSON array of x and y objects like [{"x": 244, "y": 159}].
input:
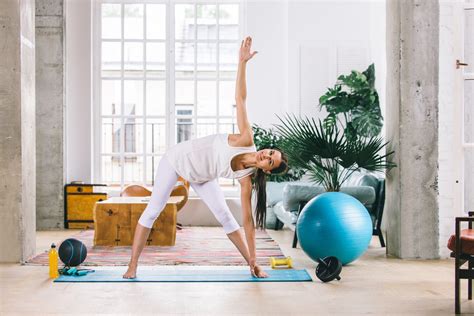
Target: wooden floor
[{"x": 373, "y": 284}]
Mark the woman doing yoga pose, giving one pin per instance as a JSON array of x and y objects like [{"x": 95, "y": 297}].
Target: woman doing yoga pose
[{"x": 202, "y": 161}]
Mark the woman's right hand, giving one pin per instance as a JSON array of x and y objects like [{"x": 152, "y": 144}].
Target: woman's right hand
[{"x": 245, "y": 54}]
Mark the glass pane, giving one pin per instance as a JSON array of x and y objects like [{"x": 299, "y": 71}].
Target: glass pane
[
  {"x": 152, "y": 163},
  {"x": 133, "y": 21},
  {"x": 206, "y": 60},
  {"x": 228, "y": 60},
  {"x": 133, "y": 97},
  {"x": 184, "y": 21},
  {"x": 111, "y": 135},
  {"x": 184, "y": 60},
  {"x": 155, "y": 136},
  {"x": 469, "y": 40},
  {"x": 111, "y": 96},
  {"x": 133, "y": 135},
  {"x": 469, "y": 179},
  {"x": 111, "y": 59},
  {"x": 226, "y": 97},
  {"x": 155, "y": 97},
  {"x": 206, "y": 21},
  {"x": 206, "y": 127},
  {"x": 184, "y": 129},
  {"x": 111, "y": 169},
  {"x": 229, "y": 21},
  {"x": 156, "y": 59},
  {"x": 156, "y": 21},
  {"x": 111, "y": 21},
  {"x": 206, "y": 98},
  {"x": 184, "y": 93},
  {"x": 227, "y": 125},
  {"x": 227, "y": 182},
  {"x": 184, "y": 110},
  {"x": 133, "y": 59},
  {"x": 469, "y": 111},
  {"x": 133, "y": 170}
]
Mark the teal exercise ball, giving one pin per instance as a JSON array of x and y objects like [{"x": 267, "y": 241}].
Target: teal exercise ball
[{"x": 334, "y": 224}]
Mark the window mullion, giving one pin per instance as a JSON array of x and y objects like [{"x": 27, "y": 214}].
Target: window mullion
[
  {"x": 195, "y": 125},
  {"x": 217, "y": 69},
  {"x": 170, "y": 82},
  {"x": 97, "y": 97},
  {"x": 122, "y": 104},
  {"x": 144, "y": 128}
]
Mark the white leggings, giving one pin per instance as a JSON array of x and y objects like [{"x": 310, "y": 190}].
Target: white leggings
[{"x": 210, "y": 193}]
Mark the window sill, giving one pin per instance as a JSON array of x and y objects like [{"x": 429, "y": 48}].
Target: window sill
[{"x": 229, "y": 192}]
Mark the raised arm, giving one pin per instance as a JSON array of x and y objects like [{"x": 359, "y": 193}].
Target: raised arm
[{"x": 245, "y": 55}]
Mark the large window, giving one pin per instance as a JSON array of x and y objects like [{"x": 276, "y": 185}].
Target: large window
[{"x": 165, "y": 73}]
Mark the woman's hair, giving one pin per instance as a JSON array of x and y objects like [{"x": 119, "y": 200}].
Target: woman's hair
[{"x": 260, "y": 182}]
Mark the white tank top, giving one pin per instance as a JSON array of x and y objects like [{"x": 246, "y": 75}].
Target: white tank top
[{"x": 207, "y": 158}]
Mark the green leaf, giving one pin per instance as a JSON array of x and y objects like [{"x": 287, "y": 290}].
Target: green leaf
[{"x": 329, "y": 157}]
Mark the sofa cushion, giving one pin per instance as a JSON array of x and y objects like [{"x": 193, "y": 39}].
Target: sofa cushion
[
  {"x": 288, "y": 218},
  {"x": 294, "y": 193},
  {"x": 362, "y": 179},
  {"x": 271, "y": 220},
  {"x": 274, "y": 192},
  {"x": 467, "y": 242}
]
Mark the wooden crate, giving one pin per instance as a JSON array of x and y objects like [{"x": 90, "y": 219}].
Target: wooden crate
[
  {"x": 116, "y": 220},
  {"x": 79, "y": 202}
]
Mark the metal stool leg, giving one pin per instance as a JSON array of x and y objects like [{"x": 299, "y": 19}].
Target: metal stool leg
[
  {"x": 295, "y": 239},
  {"x": 469, "y": 282}
]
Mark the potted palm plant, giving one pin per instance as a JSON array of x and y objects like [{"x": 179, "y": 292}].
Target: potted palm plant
[
  {"x": 347, "y": 140},
  {"x": 329, "y": 158}
]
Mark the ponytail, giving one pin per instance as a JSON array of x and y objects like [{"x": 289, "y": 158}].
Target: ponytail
[
  {"x": 260, "y": 182},
  {"x": 259, "y": 186}
]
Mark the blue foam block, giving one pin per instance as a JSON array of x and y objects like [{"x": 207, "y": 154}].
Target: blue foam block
[{"x": 190, "y": 276}]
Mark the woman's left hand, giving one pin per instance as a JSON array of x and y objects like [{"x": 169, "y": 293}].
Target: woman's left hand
[
  {"x": 245, "y": 53},
  {"x": 258, "y": 272}
]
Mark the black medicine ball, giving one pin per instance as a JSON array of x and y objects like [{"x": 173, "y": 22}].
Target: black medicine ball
[{"x": 72, "y": 252}]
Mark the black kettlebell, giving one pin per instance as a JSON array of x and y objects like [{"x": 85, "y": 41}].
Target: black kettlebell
[{"x": 328, "y": 269}]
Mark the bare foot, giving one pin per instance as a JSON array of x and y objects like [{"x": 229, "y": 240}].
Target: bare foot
[{"x": 131, "y": 272}]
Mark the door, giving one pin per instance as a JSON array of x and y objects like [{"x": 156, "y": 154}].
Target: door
[{"x": 465, "y": 101}]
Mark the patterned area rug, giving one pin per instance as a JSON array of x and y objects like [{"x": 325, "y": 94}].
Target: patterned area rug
[{"x": 207, "y": 246}]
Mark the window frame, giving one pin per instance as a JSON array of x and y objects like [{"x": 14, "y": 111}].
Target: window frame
[{"x": 170, "y": 116}]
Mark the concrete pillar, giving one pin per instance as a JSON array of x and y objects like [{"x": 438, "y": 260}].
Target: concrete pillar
[
  {"x": 412, "y": 128},
  {"x": 17, "y": 132},
  {"x": 49, "y": 113}
]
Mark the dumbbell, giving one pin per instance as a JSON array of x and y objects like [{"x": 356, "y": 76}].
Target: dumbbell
[
  {"x": 281, "y": 262},
  {"x": 328, "y": 269},
  {"x": 74, "y": 271}
]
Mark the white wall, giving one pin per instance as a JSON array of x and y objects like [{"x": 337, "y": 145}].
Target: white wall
[
  {"x": 449, "y": 125},
  {"x": 266, "y": 22},
  {"x": 329, "y": 38},
  {"x": 303, "y": 46},
  {"x": 78, "y": 91}
]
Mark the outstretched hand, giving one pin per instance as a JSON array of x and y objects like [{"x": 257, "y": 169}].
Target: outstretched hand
[{"x": 245, "y": 53}]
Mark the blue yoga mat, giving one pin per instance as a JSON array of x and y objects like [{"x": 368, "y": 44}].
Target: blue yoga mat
[{"x": 190, "y": 276}]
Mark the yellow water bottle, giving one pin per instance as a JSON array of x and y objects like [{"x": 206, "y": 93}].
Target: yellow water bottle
[{"x": 53, "y": 262}]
